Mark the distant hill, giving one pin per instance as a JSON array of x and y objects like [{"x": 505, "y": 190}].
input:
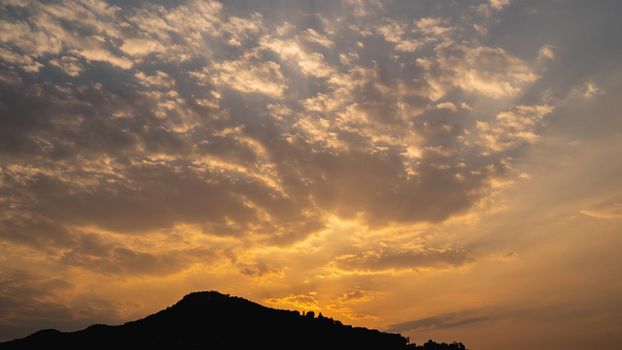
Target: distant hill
[{"x": 210, "y": 320}]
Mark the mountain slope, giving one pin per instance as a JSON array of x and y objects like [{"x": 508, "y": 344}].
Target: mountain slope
[{"x": 210, "y": 320}]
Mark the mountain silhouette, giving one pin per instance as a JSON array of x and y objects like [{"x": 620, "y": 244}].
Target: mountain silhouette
[{"x": 211, "y": 320}]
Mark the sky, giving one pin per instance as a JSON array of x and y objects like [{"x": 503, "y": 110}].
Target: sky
[{"x": 443, "y": 169}]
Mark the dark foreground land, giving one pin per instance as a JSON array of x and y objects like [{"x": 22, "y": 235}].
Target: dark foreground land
[{"x": 210, "y": 320}]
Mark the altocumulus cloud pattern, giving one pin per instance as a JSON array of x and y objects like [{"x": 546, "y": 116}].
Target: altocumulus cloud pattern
[{"x": 326, "y": 146}]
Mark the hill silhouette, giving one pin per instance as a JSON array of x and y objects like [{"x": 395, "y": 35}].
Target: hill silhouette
[{"x": 210, "y": 320}]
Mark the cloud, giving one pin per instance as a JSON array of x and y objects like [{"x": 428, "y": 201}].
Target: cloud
[
  {"x": 487, "y": 9},
  {"x": 363, "y": 8},
  {"x": 35, "y": 302},
  {"x": 513, "y": 128},
  {"x": 499, "y": 4},
  {"x": 28, "y": 40},
  {"x": 406, "y": 259},
  {"x": 96, "y": 254},
  {"x": 240, "y": 30},
  {"x": 258, "y": 269},
  {"x": 309, "y": 63},
  {"x": 46, "y": 32},
  {"x": 302, "y": 302},
  {"x": 432, "y": 26},
  {"x": 133, "y": 120},
  {"x": 447, "y": 106},
  {"x": 605, "y": 212},
  {"x": 251, "y": 75},
  {"x": 391, "y": 31},
  {"x": 25, "y": 63},
  {"x": 546, "y": 52},
  {"x": 445, "y": 321},
  {"x": 141, "y": 47},
  {"x": 69, "y": 65},
  {"x": 591, "y": 90},
  {"x": 312, "y": 36},
  {"x": 491, "y": 72},
  {"x": 355, "y": 295},
  {"x": 165, "y": 116}
]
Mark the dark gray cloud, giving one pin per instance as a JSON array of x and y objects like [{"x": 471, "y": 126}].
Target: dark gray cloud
[
  {"x": 444, "y": 321},
  {"x": 100, "y": 256}
]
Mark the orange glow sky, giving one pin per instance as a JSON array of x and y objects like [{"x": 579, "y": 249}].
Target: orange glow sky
[{"x": 444, "y": 169}]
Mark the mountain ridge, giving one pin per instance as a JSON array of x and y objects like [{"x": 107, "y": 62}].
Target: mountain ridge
[{"x": 211, "y": 320}]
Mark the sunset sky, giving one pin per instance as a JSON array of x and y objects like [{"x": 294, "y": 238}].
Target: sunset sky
[{"x": 443, "y": 169}]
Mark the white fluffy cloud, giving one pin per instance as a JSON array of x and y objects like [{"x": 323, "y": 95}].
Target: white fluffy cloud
[
  {"x": 513, "y": 128},
  {"x": 490, "y": 72}
]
